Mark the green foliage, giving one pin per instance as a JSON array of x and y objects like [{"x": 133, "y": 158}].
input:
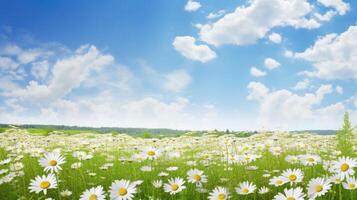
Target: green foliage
[
  {"x": 146, "y": 135},
  {"x": 3, "y": 130},
  {"x": 344, "y": 136},
  {"x": 40, "y": 132}
]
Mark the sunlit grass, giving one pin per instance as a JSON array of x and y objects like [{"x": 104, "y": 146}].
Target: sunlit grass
[{"x": 209, "y": 153}]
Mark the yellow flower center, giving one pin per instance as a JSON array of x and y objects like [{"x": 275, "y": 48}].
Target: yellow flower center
[
  {"x": 197, "y": 177},
  {"x": 53, "y": 163},
  {"x": 311, "y": 159},
  {"x": 344, "y": 167},
  {"x": 151, "y": 153},
  {"x": 245, "y": 190},
  {"x": 93, "y": 197},
  {"x": 318, "y": 188},
  {"x": 174, "y": 187},
  {"x": 292, "y": 177},
  {"x": 221, "y": 196},
  {"x": 122, "y": 191},
  {"x": 352, "y": 185},
  {"x": 290, "y": 198},
  {"x": 45, "y": 184},
  {"x": 279, "y": 182}
]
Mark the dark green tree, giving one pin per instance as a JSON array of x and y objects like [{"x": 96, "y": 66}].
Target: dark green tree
[{"x": 344, "y": 136}]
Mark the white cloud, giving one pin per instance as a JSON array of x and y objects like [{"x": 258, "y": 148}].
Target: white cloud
[
  {"x": 25, "y": 56},
  {"x": 253, "y": 21},
  {"x": 39, "y": 69},
  {"x": 67, "y": 74},
  {"x": 327, "y": 16},
  {"x": 339, "y": 89},
  {"x": 257, "y": 72},
  {"x": 7, "y": 84},
  {"x": 275, "y": 38},
  {"x": 301, "y": 85},
  {"x": 333, "y": 56},
  {"x": 286, "y": 110},
  {"x": 214, "y": 15},
  {"x": 176, "y": 81},
  {"x": 105, "y": 110},
  {"x": 13, "y": 104},
  {"x": 258, "y": 91},
  {"x": 187, "y": 46},
  {"x": 271, "y": 64},
  {"x": 192, "y": 6},
  {"x": 173, "y": 81},
  {"x": 7, "y": 63},
  {"x": 339, "y": 5}
]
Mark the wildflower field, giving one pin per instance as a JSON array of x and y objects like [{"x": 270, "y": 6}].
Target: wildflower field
[{"x": 271, "y": 165}]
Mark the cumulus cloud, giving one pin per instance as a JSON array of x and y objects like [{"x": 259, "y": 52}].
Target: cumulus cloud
[
  {"x": 25, "y": 56},
  {"x": 275, "y": 38},
  {"x": 253, "y": 21},
  {"x": 339, "y": 5},
  {"x": 257, "y": 72},
  {"x": 287, "y": 110},
  {"x": 8, "y": 64},
  {"x": 40, "y": 69},
  {"x": 301, "y": 85},
  {"x": 173, "y": 81},
  {"x": 192, "y": 6},
  {"x": 186, "y": 46},
  {"x": 67, "y": 74},
  {"x": 258, "y": 91},
  {"x": 339, "y": 89},
  {"x": 327, "y": 16},
  {"x": 334, "y": 56},
  {"x": 106, "y": 110},
  {"x": 271, "y": 64},
  {"x": 214, "y": 15},
  {"x": 176, "y": 81}
]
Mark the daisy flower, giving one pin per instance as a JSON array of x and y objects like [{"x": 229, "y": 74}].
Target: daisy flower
[
  {"x": 76, "y": 165},
  {"x": 172, "y": 168},
  {"x": 351, "y": 184},
  {"x": 66, "y": 193},
  {"x": 293, "y": 175},
  {"x": 94, "y": 193},
  {"x": 151, "y": 153},
  {"x": 292, "y": 159},
  {"x": 163, "y": 174},
  {"x": 122, "y": 190},
  {"x": 174, "y": 185},
  {"x": 344, "y": 167},
  {"x": 196, "y": 176},
  {"x": 4, "y": 162},
  {"x": 335, "y": 179},
  {"x": 43, "y": 183},
  {"x": 52, "y": 162},
  {"x": 263, "y": 190},
  {"x": 310, "y": 160},
  {"x": 277, "y": 181},
  {"x": 318, "y": 187},
  {"x": 157, "y": 183},
  {"x": 291, "y": 194},
  {"x": 245, "y": 188},
  {"x": 219, "y": 193}
]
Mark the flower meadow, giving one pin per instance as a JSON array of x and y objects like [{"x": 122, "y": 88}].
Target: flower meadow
[{"x": 91, "y": 166}]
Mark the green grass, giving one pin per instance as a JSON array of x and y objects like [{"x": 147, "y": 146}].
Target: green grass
[
  {"x": 39, "y": 132},
  {"x": 2, "y": 130},
  {"x": 114, "y": 147}
]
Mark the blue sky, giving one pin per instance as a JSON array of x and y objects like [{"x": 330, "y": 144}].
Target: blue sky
[{"x": 243, "y": 65}]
